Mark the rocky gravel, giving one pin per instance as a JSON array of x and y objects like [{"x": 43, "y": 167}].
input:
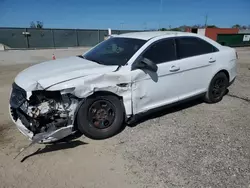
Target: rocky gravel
[
  {"x": 195, "y": 144},
  {"x": 199, "y": 146}
]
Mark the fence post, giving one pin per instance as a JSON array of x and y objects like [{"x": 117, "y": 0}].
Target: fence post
[
  {"x": 98, "y": 36},
  {"x": 27, "y": 38},
  {"x": 77, "y": 42},
  {"x": 53, "y": 38}
]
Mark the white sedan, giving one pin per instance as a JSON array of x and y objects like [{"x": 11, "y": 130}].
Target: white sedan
[{"x": 97, "y": 93}]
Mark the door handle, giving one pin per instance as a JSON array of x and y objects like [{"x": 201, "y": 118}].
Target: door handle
[
  {"x": 174, "y": 68},
  {"x": 122, "y": 85},
  {"x": 211, "y": 60}
]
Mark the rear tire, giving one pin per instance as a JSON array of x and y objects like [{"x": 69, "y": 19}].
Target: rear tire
[
  {"x": 101, "y": 117},
  {"x": 217, "y": 88}
]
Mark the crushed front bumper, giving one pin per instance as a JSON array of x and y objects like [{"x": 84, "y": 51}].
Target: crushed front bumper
[
  {"x": 21, "y": 127},
  {"x": 17, "y": 99},
  {"x": 45, "y": 137}
]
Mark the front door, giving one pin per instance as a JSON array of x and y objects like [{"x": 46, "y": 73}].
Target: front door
[{"x": 154, "y": 89}]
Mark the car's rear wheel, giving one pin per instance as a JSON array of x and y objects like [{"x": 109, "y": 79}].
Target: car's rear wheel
[
  {"x": 101, "y": 117},
  {"x": 217, "y": 88}
]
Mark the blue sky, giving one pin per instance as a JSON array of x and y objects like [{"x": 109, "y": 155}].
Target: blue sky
[{"x": 125, "y": 14}]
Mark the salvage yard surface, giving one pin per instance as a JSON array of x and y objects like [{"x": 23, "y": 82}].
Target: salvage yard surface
[{"x": 192, "y": 145}]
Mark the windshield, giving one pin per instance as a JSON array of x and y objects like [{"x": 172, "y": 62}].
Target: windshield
[{"x": 114, "y": 51}]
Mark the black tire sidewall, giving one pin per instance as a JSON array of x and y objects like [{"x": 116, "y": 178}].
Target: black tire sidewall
[
  {"x": 94, "y": 133},
  {"x": 209, "y": 97}
]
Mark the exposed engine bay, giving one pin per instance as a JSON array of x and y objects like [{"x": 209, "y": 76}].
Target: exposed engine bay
[{"x": 44, "y": 111}]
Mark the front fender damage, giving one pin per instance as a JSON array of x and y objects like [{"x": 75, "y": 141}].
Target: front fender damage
[
  {"x": 115, "y": 82},
  {"x": 49, "y": 115}
]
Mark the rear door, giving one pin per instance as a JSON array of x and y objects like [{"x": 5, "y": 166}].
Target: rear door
[{"x": 197, "y": 60}]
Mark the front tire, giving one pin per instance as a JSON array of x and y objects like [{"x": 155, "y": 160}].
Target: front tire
[
  {"x": 100, "y": 117},
  {"x": 217, "y": 88}
]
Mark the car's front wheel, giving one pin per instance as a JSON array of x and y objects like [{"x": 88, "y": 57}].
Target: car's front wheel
[
  {"x": 217, "y": 88},
  {"x": 101, "y": 116}
]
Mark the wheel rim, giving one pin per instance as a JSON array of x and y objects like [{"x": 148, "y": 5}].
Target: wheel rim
[
  {"x": 219, "y": 88},
  {"x": 101, "y": 114}
]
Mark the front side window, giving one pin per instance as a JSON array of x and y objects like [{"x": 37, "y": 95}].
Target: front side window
[
  {"x": 114, "y": 51},
  {"x": 162, "y": 51},
  {"x": 193, "y": 46}
]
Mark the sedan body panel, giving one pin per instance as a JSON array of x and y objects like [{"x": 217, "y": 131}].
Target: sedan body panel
[
  {"x": 56, "y": 89},
  {"x": 195, "y": 75},
  {"x": 154, "y": 89},
  {"x": 56, "y": 71}
]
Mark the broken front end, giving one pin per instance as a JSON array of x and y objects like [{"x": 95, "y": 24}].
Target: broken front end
[{"x": 47, "y": 115}]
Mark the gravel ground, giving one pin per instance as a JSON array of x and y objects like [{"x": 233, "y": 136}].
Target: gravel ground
[
  {"x": 192, "y": 145},
  {"x": 195, "y": 144}
]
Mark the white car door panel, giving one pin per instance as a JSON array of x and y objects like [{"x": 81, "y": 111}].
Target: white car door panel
[
  {"x": 154, "y": 89},
  {"x": 151, "y": 90},
  {"x": 197, "y": 61},
  {"x": 195, "y": 73}
]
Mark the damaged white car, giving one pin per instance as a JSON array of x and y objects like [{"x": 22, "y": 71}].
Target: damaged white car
[{"x": 100, "y": 91}]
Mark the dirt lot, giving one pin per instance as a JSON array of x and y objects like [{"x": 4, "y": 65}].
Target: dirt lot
[{"x": 192, "y": 145}]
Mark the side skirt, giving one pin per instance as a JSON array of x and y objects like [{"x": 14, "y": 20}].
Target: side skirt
[{"x": 134, "y": 119}]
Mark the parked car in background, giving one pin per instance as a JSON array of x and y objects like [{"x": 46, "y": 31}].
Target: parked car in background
[{"x": 124, "y": 76}]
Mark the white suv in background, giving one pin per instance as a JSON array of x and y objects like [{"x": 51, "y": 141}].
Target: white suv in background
[{"x": 98, "y": 92}]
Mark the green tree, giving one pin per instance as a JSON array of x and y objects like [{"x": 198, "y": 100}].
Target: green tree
[
  {"x": 162, "y": 29},
  {"x": 236, "y": 26},
  {"x": 171, "y": 29},
  {"x": 243, "y": 27},
  {"x": 176, "y": 29},
  {"x": 32, "y": 25},
  {"x": 212, "y": 26},
  {"x": 38, "y": 24},
  {"x": 198, "y": 26}
]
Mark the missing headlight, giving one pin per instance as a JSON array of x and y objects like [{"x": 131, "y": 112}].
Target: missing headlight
[{"x": 47, "y": 110}]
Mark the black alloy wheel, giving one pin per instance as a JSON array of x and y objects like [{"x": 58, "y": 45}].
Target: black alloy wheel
[
  {"x": 217, "y": 88},
  {"x": 101, "y": 116}
]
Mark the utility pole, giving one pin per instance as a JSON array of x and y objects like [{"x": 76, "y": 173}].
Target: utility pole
[
  {"x": 206, "y": 21},
  {"x": 145, "y": 26},
  {"x": 121, "y": 25},
  {"x": 161, "y": 3}
]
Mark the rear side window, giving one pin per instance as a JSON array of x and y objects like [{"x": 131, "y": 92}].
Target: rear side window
[
  {"x": 162, "y": 51},
  {"x": 192, "y": 46}
]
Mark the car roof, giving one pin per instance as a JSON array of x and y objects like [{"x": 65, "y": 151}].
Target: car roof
[{"x": 152, "y": 34}]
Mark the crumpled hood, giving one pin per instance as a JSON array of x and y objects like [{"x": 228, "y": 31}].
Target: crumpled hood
[{"x": 49, "y": 73}]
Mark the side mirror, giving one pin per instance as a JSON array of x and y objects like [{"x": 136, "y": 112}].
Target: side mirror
[{"x": 147, "y": 64}]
